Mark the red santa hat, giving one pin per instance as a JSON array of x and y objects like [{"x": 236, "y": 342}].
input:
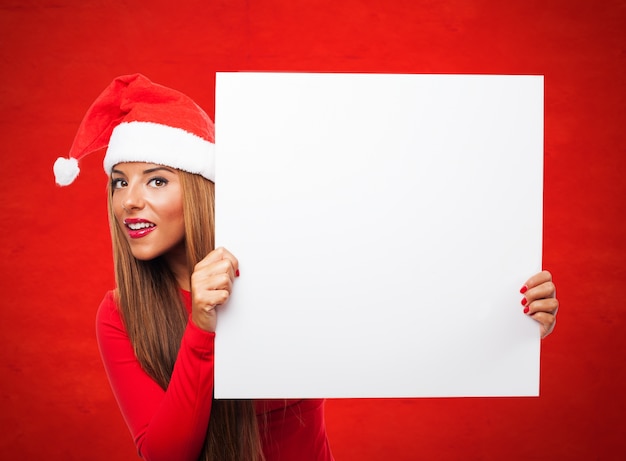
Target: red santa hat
[{"x": 140, "y": 121}]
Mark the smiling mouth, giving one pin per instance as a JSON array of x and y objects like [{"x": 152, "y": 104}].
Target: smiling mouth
[
  {"x": 138, "y": 228},
  {"x": 139, "y": 225}
]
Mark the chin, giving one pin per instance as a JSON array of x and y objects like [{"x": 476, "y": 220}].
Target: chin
[{"x": 144, "y": 256}]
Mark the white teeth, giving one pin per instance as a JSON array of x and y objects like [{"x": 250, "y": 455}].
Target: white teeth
[{"x": 139, "y": 225}]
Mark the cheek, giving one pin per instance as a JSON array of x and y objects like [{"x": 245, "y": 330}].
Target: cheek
[{"x": 173, "y": 214}]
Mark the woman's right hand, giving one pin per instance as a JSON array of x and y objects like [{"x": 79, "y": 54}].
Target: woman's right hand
[{"x": 211, "y": 284}]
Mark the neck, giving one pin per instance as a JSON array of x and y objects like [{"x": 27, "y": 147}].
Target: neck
[
  {"x": 182, "y": 277},
  {"x": 177, "y": 260}
]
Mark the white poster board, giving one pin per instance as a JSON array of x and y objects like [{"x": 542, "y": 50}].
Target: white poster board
[{"x": 384, "y": 225}]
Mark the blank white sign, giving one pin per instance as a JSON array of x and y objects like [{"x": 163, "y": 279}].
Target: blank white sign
[{"x": 384, "y": 225}]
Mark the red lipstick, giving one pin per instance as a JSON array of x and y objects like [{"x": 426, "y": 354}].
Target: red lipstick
[{"x": 138, "y": 228}]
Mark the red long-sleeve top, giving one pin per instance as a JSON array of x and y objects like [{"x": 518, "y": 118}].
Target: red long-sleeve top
[{"x": 170, "y": 425}]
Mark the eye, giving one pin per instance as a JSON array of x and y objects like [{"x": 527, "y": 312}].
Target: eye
[
  {"x": 118, "y": 183},
  {"x": 158, "y": 182}
]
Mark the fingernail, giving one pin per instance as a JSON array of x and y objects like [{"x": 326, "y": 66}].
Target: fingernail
[
  {"x": 526, "y": 309},
  {"x": 237, "y": 273},
  {"x": 524, "y": 301},
  {"x": 524, "y": 289}
]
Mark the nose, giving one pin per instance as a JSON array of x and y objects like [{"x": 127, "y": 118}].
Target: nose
[{"x": 133, "y": 199}]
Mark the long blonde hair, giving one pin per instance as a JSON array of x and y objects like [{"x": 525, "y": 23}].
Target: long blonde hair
[{"x": 155, "y": 318}]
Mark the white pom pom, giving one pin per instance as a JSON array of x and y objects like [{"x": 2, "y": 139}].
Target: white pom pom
[{"x": 65, "y": 170}]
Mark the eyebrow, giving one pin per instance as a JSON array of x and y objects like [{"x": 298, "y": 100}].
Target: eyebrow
[
  {"x": 152, "y": 170},
  {"x": 148, "y": 171}
]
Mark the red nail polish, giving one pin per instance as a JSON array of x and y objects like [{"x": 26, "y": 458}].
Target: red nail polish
[
  {"x": 237, "y": 273},
  {"x": 524, "y": 301},
  {"x": 526, "y": 309},
  {"x": 524, "y": 289}
]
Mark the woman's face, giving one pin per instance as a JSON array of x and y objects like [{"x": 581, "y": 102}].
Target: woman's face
[{"x": 148, "y": 204}]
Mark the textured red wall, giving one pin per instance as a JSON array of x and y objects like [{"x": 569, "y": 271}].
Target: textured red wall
[{"x": 56, "y": 56}]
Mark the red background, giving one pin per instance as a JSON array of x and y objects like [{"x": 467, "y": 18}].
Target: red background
[{"x": 56, "y": 56}]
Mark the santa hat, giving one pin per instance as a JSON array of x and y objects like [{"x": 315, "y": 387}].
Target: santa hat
[{"x": 140, "y": 121}]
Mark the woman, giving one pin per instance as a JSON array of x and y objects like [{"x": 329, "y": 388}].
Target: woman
[
  {"x": 163, "y": 236},
  {"x": 156, "y": 331}
]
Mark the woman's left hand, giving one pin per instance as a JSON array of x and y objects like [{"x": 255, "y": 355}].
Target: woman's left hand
[{"x": 540, "y": 301}]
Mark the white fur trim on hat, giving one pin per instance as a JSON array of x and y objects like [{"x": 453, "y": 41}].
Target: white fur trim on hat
[{"x": 161, "y": 144}]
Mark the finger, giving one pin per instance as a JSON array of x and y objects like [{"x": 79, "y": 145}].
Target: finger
[
  {"x": 234, "y": 262},
  {"x": 545, "y": 290},
  {"x": 219, "y": 255},
  {"x": 221, "y": 267},
  {"x": 547, "y": 305},
  {"x": 219, "y": 281},
  {"x": 208, "y": 300},
  {"x": 536, "y": 280},
  {"x": 204, "y": 286}
]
